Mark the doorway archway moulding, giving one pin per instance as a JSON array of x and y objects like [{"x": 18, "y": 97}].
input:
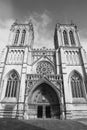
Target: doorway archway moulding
[{"x": 46, "y": 81}]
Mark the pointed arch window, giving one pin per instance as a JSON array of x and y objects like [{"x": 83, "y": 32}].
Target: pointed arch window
[
  {"x": 77, "y": 85},
  {"x": 72, "y": 38},
  {"x": 65, "y": 38},
  {"x": 23, "y": 37},
  {"x": 16, "y": 37},
  {"x": 12, "y": 85}
]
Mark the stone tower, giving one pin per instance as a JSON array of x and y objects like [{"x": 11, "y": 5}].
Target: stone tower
[{"x": 72, "y": 65}]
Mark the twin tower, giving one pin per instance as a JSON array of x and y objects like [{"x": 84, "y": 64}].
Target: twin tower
[{"x": 43, "y": 83}]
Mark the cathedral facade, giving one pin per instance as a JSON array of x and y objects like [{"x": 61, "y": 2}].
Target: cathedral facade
[{"x": 43, "y": 83}]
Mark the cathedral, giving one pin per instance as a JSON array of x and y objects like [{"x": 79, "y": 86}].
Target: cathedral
[{"x": 43, "y": 83}]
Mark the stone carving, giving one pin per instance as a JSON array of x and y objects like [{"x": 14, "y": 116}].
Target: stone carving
[
  {"x": 15, "y": 57},
  {"x": 44, "y": 68}
]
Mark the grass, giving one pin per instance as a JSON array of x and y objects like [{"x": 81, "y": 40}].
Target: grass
[{"x": 14, "y": 124}]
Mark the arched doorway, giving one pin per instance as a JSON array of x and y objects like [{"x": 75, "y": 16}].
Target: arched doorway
[{"x": 46, "y": 100}]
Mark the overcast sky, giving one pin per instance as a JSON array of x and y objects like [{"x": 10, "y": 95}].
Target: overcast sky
[{"x": 45, "y": 14}]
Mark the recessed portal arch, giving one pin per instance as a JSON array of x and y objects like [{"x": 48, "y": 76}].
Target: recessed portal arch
[{"x": 46, "y": 100}]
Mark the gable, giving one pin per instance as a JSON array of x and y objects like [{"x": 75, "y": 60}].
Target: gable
[{"x": 43, "y": 58}]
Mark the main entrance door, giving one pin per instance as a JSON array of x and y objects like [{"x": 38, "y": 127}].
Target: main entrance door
[
  {"x": 44, "y": 111},
  {"x": 46, "y": 101},
  {"x": 40, "y": 111},
  {"x": 48, "y": 111}
]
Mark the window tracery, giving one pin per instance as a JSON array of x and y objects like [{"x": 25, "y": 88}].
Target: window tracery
[
  {"x": 44, "y": 68},
  {"x": 72, "y": 38},
  {"x": 65, "y": 38},
  {"x": 23, "y": 37},
  {"x": 15, "y": 56},
  {"x": 12, "y": 85},
  {"x": 72, "y": 57},
  {"x": 77, "y": 85},
  {"x": 16, "y": 37}
]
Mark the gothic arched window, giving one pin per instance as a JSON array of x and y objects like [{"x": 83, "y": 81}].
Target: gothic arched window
[
  {"x": 23, "y": 37},
  {"x": 65, "y": 38},
  {"x": 72, "y": 38},
  {"x": 16, "y": 37},
  {"x": 77, "y": 85},
  {"x": 12, "y": 85}
]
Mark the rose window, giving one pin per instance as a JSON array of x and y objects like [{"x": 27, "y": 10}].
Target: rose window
[{"x": 44, "y": 68}]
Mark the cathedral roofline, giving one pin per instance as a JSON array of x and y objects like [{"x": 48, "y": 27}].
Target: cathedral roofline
[
  {"x": 67, "y": 25},
  {"x": 71, "y": 47},
  {"x": 43, "y": 49},
  {"x": 16, "y": 23},
  {"x": 33, "y": 49}
]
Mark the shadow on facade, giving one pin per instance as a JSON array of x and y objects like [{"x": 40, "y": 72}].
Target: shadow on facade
[{"x": 14, "y": 124}]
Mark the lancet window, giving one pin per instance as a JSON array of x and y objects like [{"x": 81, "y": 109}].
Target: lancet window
[
  {"x": 23, "y": 37},
  {"x": 12, "y": 85},
  {"x": 72, "y": 38},
  {"x": 77, "y": 85},
  {"x": 65, "y": 38},
  {"x": 16, "y": 37}
]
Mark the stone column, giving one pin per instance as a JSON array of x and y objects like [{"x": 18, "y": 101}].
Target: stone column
[
  {"x": 23, "y": 85},
  {"x": 62, "y": 105},
  {"x": 2, "y": 65},
  {"x": 62, "y": 116}
]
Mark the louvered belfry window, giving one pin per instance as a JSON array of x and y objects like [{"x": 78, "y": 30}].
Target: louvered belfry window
[
  {"x": 23, "y": 37},
  {"x": 65, "y": 38},
  {"x": 72, "y": 38},
  {"x": 16, "y": 37}
]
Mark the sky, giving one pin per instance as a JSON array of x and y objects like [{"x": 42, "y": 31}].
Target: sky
[{"x": 44, "y": 14}]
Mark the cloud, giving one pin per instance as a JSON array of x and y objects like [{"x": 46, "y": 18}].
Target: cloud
[
  {"x": 43, "y": 34},
  {"x": 4, "y": 32},
  {"x": 42, "y": 30},
  {"x": 83, "y": 42},
  {"x": 83, "y": 38},
  {"x": 6, "y": 13},
  {"x": 6, "y": 10}
]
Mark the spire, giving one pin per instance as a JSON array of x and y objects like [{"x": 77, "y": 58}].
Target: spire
[
  {"x": 15, "y": 22},
  {"x": 31, "y": 32},
  {"x": 72, "y": 23},
  {"x": 31, "y": 24}
]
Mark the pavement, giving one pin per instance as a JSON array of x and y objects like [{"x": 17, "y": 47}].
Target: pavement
[{"x": 40, "y": 124}]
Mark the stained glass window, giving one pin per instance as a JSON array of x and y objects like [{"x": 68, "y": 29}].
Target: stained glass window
[
  {"x": 44, "y": 68},
  {"x": 12, "y": 85},
  {"x": 77, "y": 85}
]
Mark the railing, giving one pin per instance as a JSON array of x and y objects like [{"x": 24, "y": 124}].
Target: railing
[{"x": 37, "y": 77}]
